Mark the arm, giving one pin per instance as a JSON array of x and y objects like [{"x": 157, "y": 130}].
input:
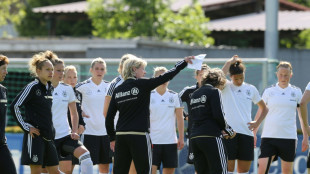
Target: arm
[
  {"x": 109, "y": 122},
  {"x": 304, "y": 110},
  {"x": 154, "y": 82},
  {"x": 180, "y": 124},
  {"x": 74, "y": 120},
  {"x": 218, "y": 113},
  {"x": 106, "y": 105},
  {"x": 304, "y": 128},
  {"x": 229, "y": 62}
]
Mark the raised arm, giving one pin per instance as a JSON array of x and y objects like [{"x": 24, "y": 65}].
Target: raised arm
[{"x": 229, "y": 62}]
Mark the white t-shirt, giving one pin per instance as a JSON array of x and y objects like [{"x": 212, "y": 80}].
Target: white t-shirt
[
  {"x": 237, "y": 103},
  {"x": 93, "y": 97},
  {"x": 280, "y": 121},
  {"x": 62, "y": 95},
  {"x": 308, "y": 87},
  {"x": 162, "y": 117},
  {"x": 115, "y": 83}
]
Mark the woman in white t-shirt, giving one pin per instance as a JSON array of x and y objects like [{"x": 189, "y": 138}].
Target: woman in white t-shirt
[
  {"x": 237, "y": 99},
  {"x": 165, "y": 108},
  {"x": 279, "y": 137},
  {"x": 304, "y": 113},
  {"x": 95, "y": 136},
  {"x": 66, "y": 139}
]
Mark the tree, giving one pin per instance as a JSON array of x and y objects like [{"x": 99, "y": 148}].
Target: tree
[
  {"x": 148, "y": 18},
  {"x": 11, "y": 12},
  {"x": 304, "y": 39}
]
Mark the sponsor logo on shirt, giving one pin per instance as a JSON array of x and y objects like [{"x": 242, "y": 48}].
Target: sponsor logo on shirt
[
  {"x": 134, "y": 91},
  {"x": 202, "y": 99},
  {"x": 122, "y": 94}
]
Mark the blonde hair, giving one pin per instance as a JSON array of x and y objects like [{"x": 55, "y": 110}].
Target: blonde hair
[
  {"x": 69, "y": 68},
  {"x": 53, "y": 57},
  {"x": 129, "y": 64},
  {"x": 3, "y": 60},
  {"x": 37, "y": 61},
  {"x": 123, "y": 59},
  {"x": 204, "y": 67},
  {"x": 159, "y": 69},
  {"x": 214, "y": 77},
  {"x": 285, "y": 64}
]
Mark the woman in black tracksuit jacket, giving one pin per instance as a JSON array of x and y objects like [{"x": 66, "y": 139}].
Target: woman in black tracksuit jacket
[
  {"x": 132, "y": 100},
  {"x": 209, "y": 124}
]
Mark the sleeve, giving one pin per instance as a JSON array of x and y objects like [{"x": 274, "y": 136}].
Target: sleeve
[
  {"x": 177, "y": 101},
  {"x": 298, "y": 96},
  {"x": 152, "y": 83},
  {"x": 80, "y": 87},
  {"x": 22, "y": 98},
  {"x": 256, "y": 97},
  {"x": 182, "y": 94},
  {"x": 218, "y": 112},
  {"x": 71, "y": 94},
  {"x": 109, "y": 121},
  {"x": 308, "y": 87},
  {"x": 112, "y": 87}
]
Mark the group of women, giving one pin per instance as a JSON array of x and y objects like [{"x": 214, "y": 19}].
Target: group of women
[{"x": 134, "y": 118}]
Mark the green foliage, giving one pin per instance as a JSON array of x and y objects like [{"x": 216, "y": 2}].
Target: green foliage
[
  {"x": 11, "y": 12},
  {"x": 304, "y": 39},
  {"x": 302, "y": 2},
  {"x": 38, "y": 24},
  {"x": 148, "y": 18}
]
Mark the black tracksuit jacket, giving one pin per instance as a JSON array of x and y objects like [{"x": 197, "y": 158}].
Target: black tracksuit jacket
[
  {"x": 3, "y": 109},
  {"x": 132, "y": 100}
]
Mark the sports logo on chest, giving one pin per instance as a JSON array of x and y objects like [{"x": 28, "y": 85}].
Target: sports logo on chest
[
  {"x": 38, "y": 92},
  {"x": 248, "y": 92},
  {"x": 293, "y": 94},
  {"x": 4, "y": 94},
  {"x": 89, "y": 92},
  {"x": 64, "y": 93},
  {"x": 171, "y": 100}
]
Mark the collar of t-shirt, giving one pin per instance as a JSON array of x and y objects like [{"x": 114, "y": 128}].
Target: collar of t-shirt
[{"x": 282, "y": 89}]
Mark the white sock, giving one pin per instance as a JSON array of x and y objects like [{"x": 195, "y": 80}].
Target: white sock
[
  {"x": 61, "y": 172},
  {"x": 230, "y": 172},
  {"x": 243, "y": 173},
  {"x": 86, "y": 163}
]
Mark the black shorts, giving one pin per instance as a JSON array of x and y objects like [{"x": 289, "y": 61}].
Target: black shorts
[
  {"x": 284, "y": 148},
  {"x": 99, "y": 148},
  {"x": 241, "y": 147},
  {"x": 166, "y": 154},
  {"x": 210, "y": 155},
  {"x": 190, "y": 154},
  {"x": 308, "y": 159},
  {"x": 6, "y": 161},
  {"x": 65, "y": 147},
  {"x": 38, "y": 151}
]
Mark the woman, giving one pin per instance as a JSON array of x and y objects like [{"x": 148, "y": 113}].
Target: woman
[
  {"x": 132, "y": 100},
  {"x": 165, "y": 108},
  {"x": 208, "y": 125},
  {"x": 304, "y": 113},
  {"x": 185, "y": 96},
  {"x": 70, "y": 78},
  {"x": 237, "y": 101},
  {"x": 115, "y": 83},
  {"x": 95, "y": 135},
  {"x": 6, "y": 161},
  {"x": 38, "y": 144},
  {"x": 279, "y": 134},
  {"x": 66, "y": 139}
]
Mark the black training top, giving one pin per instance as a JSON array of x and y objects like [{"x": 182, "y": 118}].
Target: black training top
[
  {"x": 207, "y": 113},
  {"x": 37, "y": 101},
  {"x": 185, "y": 96},
  {"x": 78, "y": 102},
  {"x": 132, "y": 100},
  {"x": 3, "y": 108}
]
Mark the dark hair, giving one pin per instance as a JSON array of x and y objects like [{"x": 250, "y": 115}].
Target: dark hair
[
  {"x": 214, "y": 77},
  {"x": 237, "y": 68},
  {"x": 203, "y": 68}
]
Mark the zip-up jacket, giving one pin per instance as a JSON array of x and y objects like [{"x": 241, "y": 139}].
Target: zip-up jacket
[
  {"x": 207, "y": 113},
  {"x": 132, "y": 100},
  {"x": 3, "y": 109},
  {"x": 78, "y": 102},
  {"x": 37, "y": 101},
  {"x": 185, "y": 96}
]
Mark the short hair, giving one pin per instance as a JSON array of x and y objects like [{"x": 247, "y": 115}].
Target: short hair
[
  {"x": 159, "y": 69},
  {"x": 237, "y": 68},
  {"x": 3, "y": 60},
  {"x": 123, "y": 59},
  {"x": 285, "y": 64},
  {"x": 214, "y": 77},
  {"x": 69, "y": 68},
  {"x": 129, "y": 64},
  {"x": 99, "y": 60},
  {"x": 37, "y": 61},
  {"x": 204, "y": 67}
]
